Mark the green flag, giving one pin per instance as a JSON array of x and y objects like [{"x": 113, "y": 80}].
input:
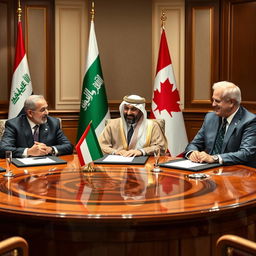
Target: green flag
[{"x": 94, "y": 103}]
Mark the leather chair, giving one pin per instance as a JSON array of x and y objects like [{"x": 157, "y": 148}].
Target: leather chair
[
  {"x": 231, "y": 245},
  {"x": 14, "y": 246},
  {"x": 2, "y": 127}
]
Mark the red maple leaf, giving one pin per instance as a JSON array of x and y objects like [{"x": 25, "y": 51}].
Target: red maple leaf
[{"x": 167, "y": 98}]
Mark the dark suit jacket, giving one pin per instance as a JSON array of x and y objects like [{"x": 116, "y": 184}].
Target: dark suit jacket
[
  {"x": 239, "y": 145},
  {"x": 18, "y": 136}
]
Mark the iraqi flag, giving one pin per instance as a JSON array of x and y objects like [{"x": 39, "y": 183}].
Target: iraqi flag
[
  {"x": 21, "y": 81},
  {"x": 166, "y": 101},
  {"x": 94, "y": 104},
  {"x": 88, "y": 148}
]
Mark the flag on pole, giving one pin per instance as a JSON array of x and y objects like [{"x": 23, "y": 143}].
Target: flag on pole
[
  {"x": 166, "y": 101},
  {"x": 88, "y": 148},
  {"x": 21, "y": 87},
  {"x": 94, "y": 104}
]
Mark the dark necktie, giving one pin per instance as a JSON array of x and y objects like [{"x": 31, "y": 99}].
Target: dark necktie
[
  {"x": 220, "y": 137},
  {"x": 36, "y": 133},
  {"x": 129, "y": 135}
]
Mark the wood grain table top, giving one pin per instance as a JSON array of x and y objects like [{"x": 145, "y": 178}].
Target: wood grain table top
[{"x": 124, "y": 192}]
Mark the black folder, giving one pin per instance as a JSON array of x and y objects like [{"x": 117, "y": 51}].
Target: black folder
[
  {"x": 56, "y": 160},
  {"x": 204, "y": 166},
  {"x": 136, "y": 161}
]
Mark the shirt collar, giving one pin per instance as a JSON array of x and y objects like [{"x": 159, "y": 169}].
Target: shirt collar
[
  {"x": 32, "y": 124},
  {"x": 129, "y": 125},
  {"x": 230, "y": 118}
]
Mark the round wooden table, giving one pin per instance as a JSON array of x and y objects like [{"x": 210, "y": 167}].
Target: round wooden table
[{"x": 126, "y": 209}]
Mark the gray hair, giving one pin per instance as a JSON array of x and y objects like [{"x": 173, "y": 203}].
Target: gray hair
[
  {"x": 230, "y": 91},
  {"x": 30, "y": 102}
]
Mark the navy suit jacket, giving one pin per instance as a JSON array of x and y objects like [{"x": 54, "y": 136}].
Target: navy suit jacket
[
  {"x": 239, "y": 145},
  {"x": 18, "y": 136}
]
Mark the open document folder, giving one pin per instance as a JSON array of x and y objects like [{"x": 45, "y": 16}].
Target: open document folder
[
  {"x": 116, "y": 159},
  {"x": 37, "y": 160},
  {"x": 185, "y": 164}
]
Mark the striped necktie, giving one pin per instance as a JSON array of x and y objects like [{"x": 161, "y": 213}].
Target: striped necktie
[
  {"x": 129, "y": 134},
  {"x": 220, "y": 137},
  {"x": 36, "y": 133}
]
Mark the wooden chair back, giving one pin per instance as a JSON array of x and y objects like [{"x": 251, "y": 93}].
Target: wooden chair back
[
  {"x": 231, "y": 245},
  {"x": 14, "y": 246},
  {"x": 2, "y": 127}
]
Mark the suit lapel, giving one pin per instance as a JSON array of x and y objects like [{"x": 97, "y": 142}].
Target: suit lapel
[
  {"x": 27, "y": 132},
  {"x": 43, "y": 132},
  {"x": 214, "y": 131},
  {"x": 232, "y": 127}
]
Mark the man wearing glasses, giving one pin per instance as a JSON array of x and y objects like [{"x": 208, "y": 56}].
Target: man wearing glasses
[
  {"x": 228, "y": 135},
  {"x": 132, "y": 134},
  {"x": 34, "y": 133}
]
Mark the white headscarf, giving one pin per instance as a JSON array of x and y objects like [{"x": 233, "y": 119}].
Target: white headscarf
[{"x": 137, "y": 142}]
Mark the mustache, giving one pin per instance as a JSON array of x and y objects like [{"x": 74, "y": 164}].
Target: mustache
[
  {"x": 130, "y": 115},
  {"x": 131, "y": 119}
]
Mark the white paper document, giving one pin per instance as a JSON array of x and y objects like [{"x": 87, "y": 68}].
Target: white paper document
[
  {"x": 184, "y": 164},
  {"x": 36, "y": 160},
  {"x": 118, "y": 159}
]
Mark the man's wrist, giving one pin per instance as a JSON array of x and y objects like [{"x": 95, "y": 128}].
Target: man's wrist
[
  {"x": 215, "y": 158},
  {"x": 54, "y": 152},
  {"x": 188, "y": 154},
  {"x": 143, "y": 153},
  {"x": 25, "y": 152}
]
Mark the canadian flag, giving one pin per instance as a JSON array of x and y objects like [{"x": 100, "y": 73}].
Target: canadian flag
[{"x": 166, "y": 101}]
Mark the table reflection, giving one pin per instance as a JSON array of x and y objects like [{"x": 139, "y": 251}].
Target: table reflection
[
  {"x": 124, "y": 190},
  {"x": 35, "y": 184},
  {"x": 133, "y": 186}
]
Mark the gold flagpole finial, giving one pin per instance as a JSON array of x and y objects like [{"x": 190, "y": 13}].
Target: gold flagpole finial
[
  {"x": 19, "y": 11},
  {"x": 163, "y": 18},
  {"x": 92, "y": 11}
]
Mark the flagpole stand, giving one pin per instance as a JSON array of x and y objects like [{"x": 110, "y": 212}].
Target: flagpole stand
[
  {"x": 157, "y": 154},
  {"x": 156, "y": 169},
  {"x": 89, "y": 168}
]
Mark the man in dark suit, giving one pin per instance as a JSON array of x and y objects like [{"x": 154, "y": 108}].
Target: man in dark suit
[
  {"x": 34, "y": 133},
  {"x": 228, "y": 135}
]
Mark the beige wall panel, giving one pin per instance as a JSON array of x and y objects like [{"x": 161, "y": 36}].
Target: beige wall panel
[
  {"x": 4, "y": 95},
  {"x": 175, "y": 31},
  {"x": 124, "y": 35},
  {"x": 202, "y": 53},
  {"x": 70, "y": 26},
  {"x": 36, "y": 47}
]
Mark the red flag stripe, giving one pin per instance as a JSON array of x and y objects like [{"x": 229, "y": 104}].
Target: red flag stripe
[
  {"x": 78, "y": 145},
  {"x": 164, "y": 58},
  {"x": 20, "y": 49}
]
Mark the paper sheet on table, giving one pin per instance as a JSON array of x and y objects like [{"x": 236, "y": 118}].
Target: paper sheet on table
[
  {"x": 118, "y": 159},
  {"x": 34, "y": 160},
  {"x": 184, "y": 164}
]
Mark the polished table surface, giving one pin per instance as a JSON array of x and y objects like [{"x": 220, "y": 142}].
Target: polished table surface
[
  {"x": 126, "y": 209},
  {"x": 117, "y": 192}
]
